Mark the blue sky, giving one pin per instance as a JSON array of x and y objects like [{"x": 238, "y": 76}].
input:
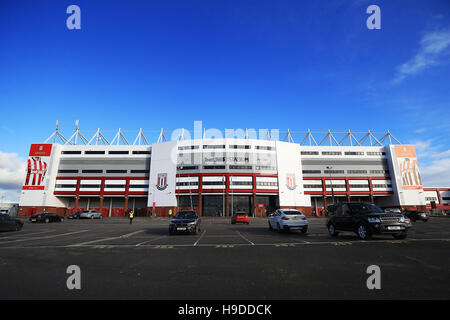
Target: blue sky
[{"x": 231, "y": 64}]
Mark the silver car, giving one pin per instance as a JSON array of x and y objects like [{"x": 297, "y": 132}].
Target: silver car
[
  {"x": 90, "y": 214},
  {"x": 288, "y": 219}
]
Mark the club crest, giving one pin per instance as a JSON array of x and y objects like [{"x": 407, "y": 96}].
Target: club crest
[
  {"x": 162, "y": 181},
  {"x": 290, "y": 181}
]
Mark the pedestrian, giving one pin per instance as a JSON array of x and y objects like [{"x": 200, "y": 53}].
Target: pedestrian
[
  {"x": 170, "y": 213},
  {"x": 131, "y": 215}
]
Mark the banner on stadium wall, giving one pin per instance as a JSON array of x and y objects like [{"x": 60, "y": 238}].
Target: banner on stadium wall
[
  {"x": 409, "y": 168},
  {"x": 37, "y": 166}
]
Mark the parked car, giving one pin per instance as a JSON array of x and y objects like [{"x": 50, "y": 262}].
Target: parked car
[
  {"x": 46, "y": 217},
  {"x": 240, "y": 217},
  {"x": 90, "y": 214},
  {"x": 287, "y": 220},
  {"x": 8, "y": 223},
  {"x": 415, "y": 215},
  {"x": 185, "y": 221},
  {"x": 366, "y": 219},
  {"x": 74, "y": 215}
]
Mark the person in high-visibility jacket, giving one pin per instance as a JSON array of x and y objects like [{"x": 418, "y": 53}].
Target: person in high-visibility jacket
[{"x": 131, "y": 215}]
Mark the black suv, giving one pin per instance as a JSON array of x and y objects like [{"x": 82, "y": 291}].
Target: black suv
[
  {"x": 415, "y": 215},
  {"x": 185, "y": 221},
  {"x": 366, "y": 219}
]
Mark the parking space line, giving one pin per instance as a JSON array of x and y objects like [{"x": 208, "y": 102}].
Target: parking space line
[
  {"x": 139, "y": 244},
  {"x": 106, "y": 239},
  {"x": 244, "y": 238},
  {"x": 201, "y": 236},
  {"x": 25, "y": 234},
  {"x": 46, "y": 237}
]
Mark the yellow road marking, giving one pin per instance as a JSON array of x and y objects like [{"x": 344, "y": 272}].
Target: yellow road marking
[
  {"x": 342, "y": 243},
  {"x": 163, "y": 247},
  {"x": 285, "y": 245},
  {"x": 225, "y": 246}
]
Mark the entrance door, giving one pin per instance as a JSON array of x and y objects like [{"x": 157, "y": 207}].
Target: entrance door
[{"x": 213, "y": 206}]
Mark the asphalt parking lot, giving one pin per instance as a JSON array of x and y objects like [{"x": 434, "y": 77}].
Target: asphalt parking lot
[{"x": 142, "y": 261}]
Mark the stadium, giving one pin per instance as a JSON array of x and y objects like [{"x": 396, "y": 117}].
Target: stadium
[{"x": 223, "y": 175}]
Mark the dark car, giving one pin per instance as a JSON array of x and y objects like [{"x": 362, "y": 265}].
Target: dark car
[
  {"x": 9, "y": 224},
  {"x": 366, "y": 219},
  {"x": 46, "y": 217},
  {"x": 74, "y": 215},
  {"x": 185, "y": 221},
  {"x": 415, "y": 215}
]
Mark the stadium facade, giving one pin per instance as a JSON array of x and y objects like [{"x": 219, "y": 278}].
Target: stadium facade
[{"x": 220, "y": 176}]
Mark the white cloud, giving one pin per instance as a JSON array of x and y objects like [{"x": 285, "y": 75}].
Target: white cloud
[
  {"x": 434, "y": 164},
  {"x": 436, "y": 173},
  {"x": 434, "y": 50},
  {"x": 12, "y": 175}
]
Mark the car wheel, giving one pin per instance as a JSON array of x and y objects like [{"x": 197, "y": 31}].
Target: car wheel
[
  {"x": 18, "y": 227},
  {"x": 279, "y": 228},
  {"x": 362, "y": 232},
  {"x": 399, "y": 236},
  {"x": 92, "y": 217},
  {"x": 47, "y": 220},
  {"x": 61, "y": 220},
  {"x": 270, "y": 227},
  {"x": 305, "y": 230},
  {"x": 332, "y": 230}
]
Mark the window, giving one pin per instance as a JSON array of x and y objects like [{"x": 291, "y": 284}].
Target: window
[
  {"x": 336, "y": 186},
  {"x": 136, "y": 186},
  {"x": 189, "y": 183},
  {"x": 242, "y": 183},
  {"x": 65, "y": 185},
  {"x": 372, "y": 153},
  {"x": 187, "y": 168},
  {"x": 359, "y": 186},
  {"x": 309, "y": 153},
  {"x": 446, "y": 198},
  {"x": 213, "y": 167},
  {"x": 187, "y": 147},
  {"x": 267, "y": 184},
  {"x": 263, "y": 148},
  {"x": 312, "y": 171},
  {"x": 89, "y": 186},
  {"x": 354, "y": 153},
  {"x": 213, "y": 183},
  {"x": 213, "y": 146},
  {"x": 236, "y": 146},
  {"x": 379, "y": 171},
  {"x": 70, "y": 152},
  {"x": 109, "y": 186},
  {"x": 92, "y": 171},
  {"x": 94, "y": 152},
  {"x": 357, "y": 171},
  {"x": 141, "y": 152},
  {"x": 430, "y": 199},
  {"x": 313, "y": 186},
  {"x": 116, "y": 171},
  {"x": 68, "y": 171},
  {"x": 138, "y": 171},
  {"x": 382, "y": 185},
  {"x": 233, "y": 167},
  {"x": 118, "y": 152},
  {"x": 331, "y": 153},
  {"x": 265, "y": 168},
  {"x": 334, "y": 171}
]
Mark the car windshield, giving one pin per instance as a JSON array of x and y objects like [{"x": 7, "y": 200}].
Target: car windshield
[
  {"x": 291, "y": 212},
  {"x": 364, "y": 208},
  {"x": 186, "y": 215}
]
